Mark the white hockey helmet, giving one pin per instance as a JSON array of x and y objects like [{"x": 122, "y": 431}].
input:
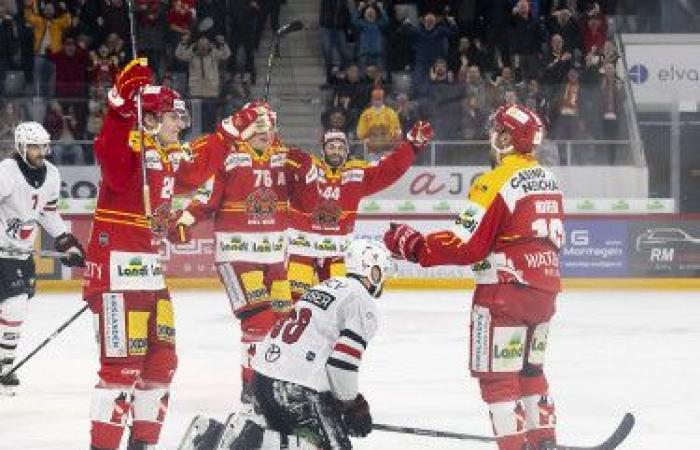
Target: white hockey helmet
[
  {"x": 371, "y": 260},
  {"x": 31, "y": 133}
]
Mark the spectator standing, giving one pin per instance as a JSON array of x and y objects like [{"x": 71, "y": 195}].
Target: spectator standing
[
  {"x": 526, "y": 37},
  {"x": 71, "y": 64},
  {"x": 406, "y": 110},
  {"x": 352, "y": 94},
  {"x": 63, "y": 128},
  {"x": 429, "y": 41},
  {"x": 334, "y": 19},
  {"x": 595, "y": 33},
  {"x": 48, "y": 28},
  {"x": 536, "y": 101},
  {"x": 203, "y": 59},
  {"x": 476, "y": 87},
  {"x": 103, "y": 70},
  {"x": 557, "y": 62},
  {"x": 610, "y": 107},
  {"x": 10, "y": 116},
  {"x": 87, "y": 19},
  {"x": 180, "y": 21},
  {"x": 245, "y": 13},
  {"x": 151, "y": 33},
  {"x": 569, "y": 124},
  {"x": 562, "y": 23},
  {"x": 335, "y": 118},
  {"x": 8, "y": 43},
  {"x": 469, "y": 53},
  {"x": 115, "y": 19},
  {"x": 116, "y": 47},
  {"x": 379, "y": 125},
  {"x": 369, "y": 20}
]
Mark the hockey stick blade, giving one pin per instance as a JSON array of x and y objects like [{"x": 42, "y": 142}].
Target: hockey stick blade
[{"x": 613, "y": 441}]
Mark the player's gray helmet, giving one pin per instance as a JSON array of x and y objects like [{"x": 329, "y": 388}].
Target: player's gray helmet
[
  {"x": 31, "y": 133},
  {"x": 371, "y": 260}
]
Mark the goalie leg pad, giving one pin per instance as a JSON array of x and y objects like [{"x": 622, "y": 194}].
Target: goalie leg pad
[{"x": 202, "y": 434}]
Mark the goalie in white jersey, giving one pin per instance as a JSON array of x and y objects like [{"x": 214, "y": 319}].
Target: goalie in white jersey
[
  {"x": 29, "y": 191},
  {"x": 306, "y": 370}
]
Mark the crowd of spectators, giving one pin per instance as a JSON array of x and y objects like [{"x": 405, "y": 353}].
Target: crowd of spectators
[
  {"x": 71, "y": 50},
  {"x": 454, "y": 61}
]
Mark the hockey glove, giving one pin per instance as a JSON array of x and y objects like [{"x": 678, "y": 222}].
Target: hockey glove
[
  {"x": 67, "y": 243},
  {"x": 357, "y": 417},
  {"x": 180, "y": 232},
  {"x": 402, "y": 240},
  {"x": 133, "y": 77},
  {"x": 420, "y": 135}
]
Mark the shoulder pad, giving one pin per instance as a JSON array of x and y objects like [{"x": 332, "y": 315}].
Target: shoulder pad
[
  {"x": 356, "y": 164},
  {"x": 135, "y": 141}
]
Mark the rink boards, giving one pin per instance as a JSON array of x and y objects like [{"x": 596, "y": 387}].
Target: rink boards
[{"x": 600, "y": 251}]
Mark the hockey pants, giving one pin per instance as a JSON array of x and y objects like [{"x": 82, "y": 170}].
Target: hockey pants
[{"x": 136, "y": 335}]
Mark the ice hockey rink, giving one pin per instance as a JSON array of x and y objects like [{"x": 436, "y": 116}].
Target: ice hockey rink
[{"x": 609, "y": 352}]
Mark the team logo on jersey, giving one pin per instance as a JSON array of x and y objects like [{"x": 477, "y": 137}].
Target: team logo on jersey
[
  {"x": 326, "y": 215},
  {"x": 19, "y": 230},
  {"x": 273, "y": 353},
  {"x": 261, "y": 205},
  {"x": 319, "y": 298}
]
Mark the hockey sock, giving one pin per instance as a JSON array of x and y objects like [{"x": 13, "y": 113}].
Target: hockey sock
[
  {"x": 539, "y": 419},
  {"x": 149, "y": 408},
  {"x": 109, "y": 410},
  {"x": 508, "y": 423}
]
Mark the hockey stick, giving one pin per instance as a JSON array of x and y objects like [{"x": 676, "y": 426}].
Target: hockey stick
[
  {"x": 613, "y": 441},
  {"x": 146, "y": 189},
  {"x": 283, "y": 30},
  {"x": 46, "y": 341},
  {"x": 39, "y": 253}
]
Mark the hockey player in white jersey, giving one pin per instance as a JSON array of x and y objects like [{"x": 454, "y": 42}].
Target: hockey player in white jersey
[
  {"x": 29, "y": 192},
  {"x": 306, "y": 370}
]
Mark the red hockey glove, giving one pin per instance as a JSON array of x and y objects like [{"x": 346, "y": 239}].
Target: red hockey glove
[
  {"x": 67, "y": 243},
  {"x": 420, "y": 135},
  {"x": 357, "y": 417},
  {"x": 133, "y": 76},
  {"x": 403, "y": 241},
  {"x": 180, "y": 230}
]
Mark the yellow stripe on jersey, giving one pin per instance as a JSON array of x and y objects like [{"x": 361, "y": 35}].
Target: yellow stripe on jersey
[{"x": 485, "y": 188}]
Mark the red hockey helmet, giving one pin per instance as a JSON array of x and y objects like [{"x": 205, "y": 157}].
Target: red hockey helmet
[
  {"x": 162, "y": 99},
  {"x": 524, "y": 127}
]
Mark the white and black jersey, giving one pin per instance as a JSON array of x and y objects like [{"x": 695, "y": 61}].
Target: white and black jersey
[
  {"x": 28, "y": 197},
  {"x": 320, "y": 344}
]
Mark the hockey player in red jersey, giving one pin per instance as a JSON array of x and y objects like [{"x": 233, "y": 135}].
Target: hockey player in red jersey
[
  {"x": 324, "y": 195},
  {"x": 511, "y": 234},
  {"x": 123, "y": 283},
  {"x": 247, "y": 197}
]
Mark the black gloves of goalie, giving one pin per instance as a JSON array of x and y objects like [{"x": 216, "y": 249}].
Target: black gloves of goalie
[
  {"x": 356, "y": 417},
  {"x": 67, "y": 243}
]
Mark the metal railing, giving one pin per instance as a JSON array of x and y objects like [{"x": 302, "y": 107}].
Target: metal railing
[{"x": 440, "y": 153}]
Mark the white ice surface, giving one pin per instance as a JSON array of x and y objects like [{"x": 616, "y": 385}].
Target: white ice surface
[{"x": 609, "y": 352}]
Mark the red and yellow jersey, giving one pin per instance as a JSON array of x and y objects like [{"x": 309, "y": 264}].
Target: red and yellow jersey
[
  {"x": 511, "y": 231},
  {"x": 323, "y": 201},
  {"x": 123, "y": 250},
  {"x": 247, "y": 195}
]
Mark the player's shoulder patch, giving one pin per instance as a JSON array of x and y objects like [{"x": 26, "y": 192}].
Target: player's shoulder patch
[{"x": 320, "y": 298}]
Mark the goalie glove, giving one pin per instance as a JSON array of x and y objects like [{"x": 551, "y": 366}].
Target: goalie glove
[
  {"x": 420, "y": 135},
  {"x": 356, "y": 416},
  {"x": 130, "y": 80},
  {"x": 180, "y": 231},
  {"x": 403, "y": 241},
  {"x": 67, "y": 243}
]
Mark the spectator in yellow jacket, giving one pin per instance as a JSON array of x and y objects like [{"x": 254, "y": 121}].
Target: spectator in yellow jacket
[
  {"x": 48, "y": 28},
  {"x": 378, "y": 125}
]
